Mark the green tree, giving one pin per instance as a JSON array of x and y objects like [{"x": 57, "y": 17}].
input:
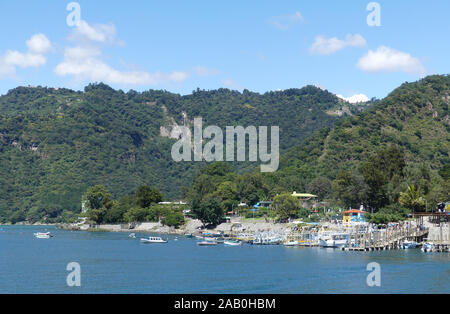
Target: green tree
[
  {"x": 227, "y": 193},
  {"x": 350, "y": 189},
  {"x": 412, "y": 199},
  {"x": 146, "y": 195},
  {"x": 99, "y": 201},
  {"x": 376, "y": 181},
  {"x": 286, "y": 205},
  {"x": 209, "y": 211},
  {"x": 320, "y": 186},
  {"x": 173, "y": 219},
  {"x": 136, "y": 214}
]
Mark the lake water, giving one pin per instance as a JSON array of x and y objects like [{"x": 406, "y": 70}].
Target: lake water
[{"x": 115, "y": 263}]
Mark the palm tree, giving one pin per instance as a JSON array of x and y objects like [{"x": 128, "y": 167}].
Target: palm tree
[{"x": 412, "y": 199}]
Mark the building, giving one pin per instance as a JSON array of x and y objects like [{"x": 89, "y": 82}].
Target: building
[
  {"x": 306, "y": 200},
  {"x": 354, "y": 215},
  {"x": 304, "y": 196}
]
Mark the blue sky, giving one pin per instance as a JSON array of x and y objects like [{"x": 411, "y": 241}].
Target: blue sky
[{"x": 260, "y": 45}]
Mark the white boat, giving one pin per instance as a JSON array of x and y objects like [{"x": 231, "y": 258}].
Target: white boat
[
  {"x": 206, "y": 243},
  {"x": 427, "y": 247},
  {"x": 267, "y": 239},
  {"x": 409, "y": 244},
  {"x": 232, "y": 242},
  {"x": 334, "y": 240},
  {"x": 291, "y": 243},
  {"x": 153, "y": 240},
  {"x": 132, "y": 235},
  {"x": 43, "y": 235}
]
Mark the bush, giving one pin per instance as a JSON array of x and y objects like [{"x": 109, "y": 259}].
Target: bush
[{"x": 173, "y": 219}]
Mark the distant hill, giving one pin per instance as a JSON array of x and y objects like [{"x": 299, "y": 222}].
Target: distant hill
[
  {"x": 392, "y": 158},
  {"x": 414, "y": 116},
  {"x": 55, "y": 143},
  {"x": 402, "y": 140}
]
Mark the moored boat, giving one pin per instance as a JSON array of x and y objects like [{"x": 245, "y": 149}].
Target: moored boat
[
  {"x": 153, "y": 240},
  {"x": 334, "y": 240},
  {"x": 43, "y": 235},
  {"x": 207, "y": 243},
  {"x": 409, "y": 244},
  {"x": 232, "y": 242},
  {"x": 427, "y": 247}
]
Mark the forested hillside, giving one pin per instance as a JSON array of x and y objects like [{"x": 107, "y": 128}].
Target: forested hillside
[
  {"x": 392, "y": 158},
  {"x": 55, "y": 143}
]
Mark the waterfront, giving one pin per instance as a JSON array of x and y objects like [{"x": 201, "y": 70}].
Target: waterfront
[{"x": 113, "y": 263}]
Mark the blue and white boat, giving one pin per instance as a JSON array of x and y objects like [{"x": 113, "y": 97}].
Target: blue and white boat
[
  {"x": 409, "y": 244},
  {"x": 427, "y": 247}
]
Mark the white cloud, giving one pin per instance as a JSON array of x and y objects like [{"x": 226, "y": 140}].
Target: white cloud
[
  {"x": 355, "y": 98},
  {"x": 24, "y": 60},
  {"x": 102, "y": 33},
  {"x": 326, "y": 46},
  {"x": 84, "y": 63},
  {"x": 284, "y": 22},
  {"x": 386, "y": 59},
  {"x": 38, "y": 45}
]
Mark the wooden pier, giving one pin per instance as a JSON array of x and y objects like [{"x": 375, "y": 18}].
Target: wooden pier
[{"x": 386, "y": 239}]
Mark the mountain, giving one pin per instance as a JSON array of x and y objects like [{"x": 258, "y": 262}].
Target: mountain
[
  {"x": 414, "y": 116},
  {"x": 55, "y": 143},
  {"x": 392, "y": 158},
  {"x": 401, "y": 140}
]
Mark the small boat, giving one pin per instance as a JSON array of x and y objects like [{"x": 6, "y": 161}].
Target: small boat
[
  {"x": 291, "y": 243},
  {"x": 232, "y": 242},
  {"x": 206, "y": 243},
  {"x": 132, "y": 235},
  {"x": 189, "y": 235},
  {"x": 427, "y": 247},
  {"x": 334, "y": 240},
  {"x": 153, "y": 240},
  {"x": 43, "y": 235},
  {"x": 409, "y": 244}
]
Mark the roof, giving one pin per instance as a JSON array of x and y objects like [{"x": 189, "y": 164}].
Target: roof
[
  {"x": 295, "y": 194},
  {"x": 354, "y": 211}
]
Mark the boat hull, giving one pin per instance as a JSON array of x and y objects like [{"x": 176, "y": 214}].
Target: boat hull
[
  {"x": 232, "y": 243},
  {"x": 206, "y": 243}
]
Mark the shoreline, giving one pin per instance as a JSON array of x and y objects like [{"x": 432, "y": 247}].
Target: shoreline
[{"x": 192, "y": 226}]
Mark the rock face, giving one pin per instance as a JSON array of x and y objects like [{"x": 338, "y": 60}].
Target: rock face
[{"x": 173, "y": 130}]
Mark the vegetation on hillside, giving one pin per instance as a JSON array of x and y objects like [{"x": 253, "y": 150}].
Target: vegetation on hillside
[
  {"x": 56, "y": 143},
  {"x": 142, "y": 206},
  {"x": 393, "y": 158}
]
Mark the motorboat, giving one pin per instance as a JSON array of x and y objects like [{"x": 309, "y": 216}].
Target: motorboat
[
  {"x": 43, "y": 235},
  {"x": 132, "y": 235},
  {"x": 409, "y": 244},
  {"x": 291, "y": 243},
  {"x": 153, "y": 240},
  {"x": 232, "y": 242},
  {"x": 334, "y": 240},
  {"x": 207, "y": 243},
  {"x": 427, "y": 247}
]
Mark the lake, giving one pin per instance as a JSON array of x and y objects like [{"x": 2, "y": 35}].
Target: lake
[{"x": 114, "y": 263}]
